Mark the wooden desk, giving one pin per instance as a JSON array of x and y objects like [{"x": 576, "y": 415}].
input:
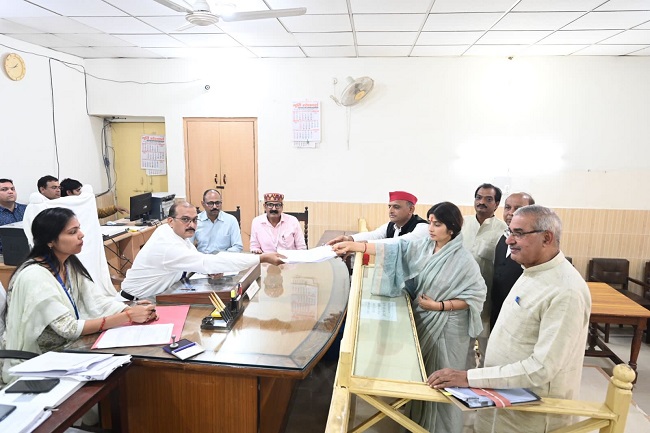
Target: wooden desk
[
  {"x": 610, "y": 306},
  {"x": 244, "y": 380},
  {"x": 5, "y": 274}
]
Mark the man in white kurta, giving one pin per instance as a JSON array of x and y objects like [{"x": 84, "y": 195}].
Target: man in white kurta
[
  {"x": 169, "y": 253},
  {"x": 538, "y": 341}
]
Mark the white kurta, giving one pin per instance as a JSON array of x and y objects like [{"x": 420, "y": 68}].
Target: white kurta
[
  {"x": 538, "y": 342},
  {"x": 379, "y": 234},
  {"x": 165, "y": 257}
]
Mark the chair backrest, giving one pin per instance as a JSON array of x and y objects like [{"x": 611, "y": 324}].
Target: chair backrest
[
  {"x": 646, "y": 273},
  {"x": 303, "y": 217},
  {"x": 236, "y": 214},
  {"x": 610, "y": 271},
  {"x": 569, "y": 259}
]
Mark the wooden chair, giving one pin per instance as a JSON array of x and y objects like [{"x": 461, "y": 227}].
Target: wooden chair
[
  {"x": 643, "y": 300},
  {"x": 303, "y": 217},
  {"x": 236, "y": 214}
]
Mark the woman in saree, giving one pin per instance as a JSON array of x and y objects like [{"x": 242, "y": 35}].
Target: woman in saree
[
  {"x": 51, "y": 298},
  {"x": 447, "y": 293}
]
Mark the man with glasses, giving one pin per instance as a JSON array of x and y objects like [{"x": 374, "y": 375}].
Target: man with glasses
[
  {"x": 506, "y": 270},
  {"x": 539, "y": 340},
  {"x": 216, "y": 230},
  {"x": 10, "y": 210},
  {"x": 169, "y": 253},
  {"x": 49, "y": 187},
  {"x": 276, "y": 230}
]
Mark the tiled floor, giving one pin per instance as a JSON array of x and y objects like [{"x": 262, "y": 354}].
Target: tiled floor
[{"x": 312, "y": 398}]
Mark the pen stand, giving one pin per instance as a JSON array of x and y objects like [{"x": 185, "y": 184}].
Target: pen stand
[{"x": 225, "y": 322}]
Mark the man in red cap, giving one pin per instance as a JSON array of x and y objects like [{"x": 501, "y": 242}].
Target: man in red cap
[
  {"x": 276, "y": 230},
  {"x": 403, "y": 224}
]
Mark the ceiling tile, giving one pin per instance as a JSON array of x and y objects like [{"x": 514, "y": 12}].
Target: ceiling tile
[
  {"x": 207, "y": 40},
  {"x": 96, "y": 40},
  {"x": 551, "y": 50},
  {"x": 630, "y": 37},
  {"x": 610, "y": 20},
  {"x": 108, "y": 52},
  {"x": 514, "y": 37},
  {"x": 495, "y": 50},
  {"x": 329, "y": 51},
  {"x": 390, "y": 6},
  {"x": 621, "y": 5},
  {"x": 55, "y": 24},
  {"x": 384, "y": 51},
  {"x": 386, "y": 38},
  {"x": 434, "y": 51},
  {"x": 460, "y": 22},
  {"x": 268, "y": 33},
  {"x": 536, "y": 20},
  {"x": 277, "y": 51},
  {"x": 45, "y": 40},
  {"x": 202, "y": 53},
  {"x": 143, "y": 8},
  {"x": 472, "y": 5},
  {"x": 172, "y": 24},
  {"x": 20, "y": 8},
  {"x": 608, "y": 50},
  {"x": 556, "y": 5},
  {"x": 76, "y": 8},
  {"x": 644, "y": 26},
  {"x": 117, "y": 24},
  {"x": 324, "y": 39},
  {"x": 313, "y": 6},
  {"x": 643, "y": 52},
  {"x": 388, "y": 22},
  {"x": 318, "y": 23},
  {"x": 7, "y": 26},
  {"x": 448, "y": 38},
  {"x": 578, "y": 37},
  {"x": 149, "y": 41}
]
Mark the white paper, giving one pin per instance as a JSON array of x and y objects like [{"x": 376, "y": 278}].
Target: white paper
[
  {"x": 378, "y": 310},
  {"x": 314, "y": 255},
  {"x": 252, "y": 290},
  {"x": 137, "y": 335},
  {"x": 58, "y": 361}
]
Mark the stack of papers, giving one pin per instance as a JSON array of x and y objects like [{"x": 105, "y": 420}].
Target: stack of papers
[
  {"x": 314, "y": 255},
  {"x": 485, "y": 397},
  {"x": 79, "y": 366}
]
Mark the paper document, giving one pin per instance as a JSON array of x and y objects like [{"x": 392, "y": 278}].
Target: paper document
[
  {"x": 378, "y": 310},
  {"x": 78, "y": 366},
  {"x": 486, "y": 397},
  {"x": 318, "y": 254},
  {"x": 137, "y": 335}
]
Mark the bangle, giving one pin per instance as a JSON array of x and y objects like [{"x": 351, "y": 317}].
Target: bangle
[
  {"x": 451, "y": 305},
  {"x": 442, "y": 305},
  {"x": 128, "y": 315},
  {"x": 365, "y": 247},
  {"x": 101, "y": 327}
]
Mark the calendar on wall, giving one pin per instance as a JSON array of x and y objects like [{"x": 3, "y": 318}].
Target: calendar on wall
[
  {"x": 306, "y": 124},
  {"x": 153, "y": 155}
]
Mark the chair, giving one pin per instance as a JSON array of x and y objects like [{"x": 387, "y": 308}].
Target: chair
[
  {"x": 616, "y": 272},
  {"x": 304, "y": 217},
  {"x": 236, "y": 214}
]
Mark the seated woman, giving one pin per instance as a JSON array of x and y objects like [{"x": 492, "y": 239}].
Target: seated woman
[
  {"x": 51, "y": 298},
  {"x": 447, "y": 292}
]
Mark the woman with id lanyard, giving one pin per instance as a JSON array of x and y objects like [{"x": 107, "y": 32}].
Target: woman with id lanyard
[{"x": 52, "y": 299}]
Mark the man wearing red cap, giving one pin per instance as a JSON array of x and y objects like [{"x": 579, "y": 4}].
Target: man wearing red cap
[
  {"x": 403, "y": 224},
  {"x": 275, "y": 230}
]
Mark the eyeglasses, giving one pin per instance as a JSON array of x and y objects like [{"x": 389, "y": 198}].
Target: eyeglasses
[
  {"x": 213, "y": 203},
  {"x": 519, "y": 235},
  {"x": 186, "y": 220},
  {"x": 273, "y": 205}
]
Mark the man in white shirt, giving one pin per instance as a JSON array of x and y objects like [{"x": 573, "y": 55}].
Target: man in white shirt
[
  {"x": 216, "y": 230},
  {"x": 539, "y": 340},
  {"x": 169, "y": 253},
  {"x": 403, "y": 224}
]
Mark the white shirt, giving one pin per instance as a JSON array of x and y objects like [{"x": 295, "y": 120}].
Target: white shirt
[
  {"x": 165, "y": 257},
  {"x": 379, "y": 235}
]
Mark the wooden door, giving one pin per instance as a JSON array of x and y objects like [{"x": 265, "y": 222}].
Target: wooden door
[{"x": 222, "y": 154}]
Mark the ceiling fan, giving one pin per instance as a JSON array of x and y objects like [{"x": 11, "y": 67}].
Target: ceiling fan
[{"x": 200, "y": 15}]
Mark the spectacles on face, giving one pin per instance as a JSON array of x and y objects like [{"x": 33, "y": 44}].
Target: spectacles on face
[
  {"x": 273, "y": 205},
  {"x": 187, "y": 220},
  {"x": 213, "y": 203},
  {"x": 519, "y": 234}
]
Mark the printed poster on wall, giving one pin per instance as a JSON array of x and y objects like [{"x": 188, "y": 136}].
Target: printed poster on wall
[
  {"x": 153, "y": 155},
  {"x": 306, "y": 123}
]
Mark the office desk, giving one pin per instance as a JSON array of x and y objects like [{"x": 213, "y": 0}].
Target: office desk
[
  {"x": 243, "y": 382},
  {"x": 610, "y": 306},
  {"x": 5, "y": 274}
]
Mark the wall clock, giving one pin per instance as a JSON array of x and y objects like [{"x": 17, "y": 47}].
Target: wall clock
[{"x": 15, "y": 66}]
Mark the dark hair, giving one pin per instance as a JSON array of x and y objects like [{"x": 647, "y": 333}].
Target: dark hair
[
  {"x": 448, "y": 214},
  {"x": 497, "y": 191},
  {"x": 69, "y": 185},
  {"x": 42, "y": 182},
  {"x": 46, "y": 227},
  {"x": 172, "y": 209},
  {"x": 210, "y": 190},
  {"x": 3, "y": 180}
]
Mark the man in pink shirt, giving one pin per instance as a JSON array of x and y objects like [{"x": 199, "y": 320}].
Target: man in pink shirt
[{"x": 275, "y": 230}]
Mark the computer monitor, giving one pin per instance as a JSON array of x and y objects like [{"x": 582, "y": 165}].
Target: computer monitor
[
  {"x": 140, "y": 206},
  {"x": 14, "y": 243}
]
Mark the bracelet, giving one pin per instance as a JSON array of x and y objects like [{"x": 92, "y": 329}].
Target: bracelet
[
  {"x": 101, "y": 327},
  {"x": 451, "y": 305},
  {"x": 442, "y": 304},
  {"x": 128, "y": 315},
  {"x": 365, "y": 247}
]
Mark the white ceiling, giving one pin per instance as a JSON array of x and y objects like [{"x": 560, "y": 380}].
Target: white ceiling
[{"x": 337, "y": 28}]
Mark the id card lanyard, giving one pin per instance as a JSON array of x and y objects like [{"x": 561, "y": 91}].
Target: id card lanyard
[{"x": 65, "y": 289}]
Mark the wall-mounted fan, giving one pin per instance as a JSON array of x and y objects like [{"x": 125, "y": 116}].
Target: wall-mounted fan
[
  {"x": 199, "y": 13},
  {"x": 355, "y": 91}
]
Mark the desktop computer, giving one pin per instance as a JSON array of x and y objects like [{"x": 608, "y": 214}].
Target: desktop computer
[
  {"x": 14, "y": 243},
  {"x": 160, "y": 204}
]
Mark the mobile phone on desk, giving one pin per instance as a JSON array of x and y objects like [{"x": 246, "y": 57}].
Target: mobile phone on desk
[
  {"x": 5, "y": 410},
  {"x": 32, "y": 386}
]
